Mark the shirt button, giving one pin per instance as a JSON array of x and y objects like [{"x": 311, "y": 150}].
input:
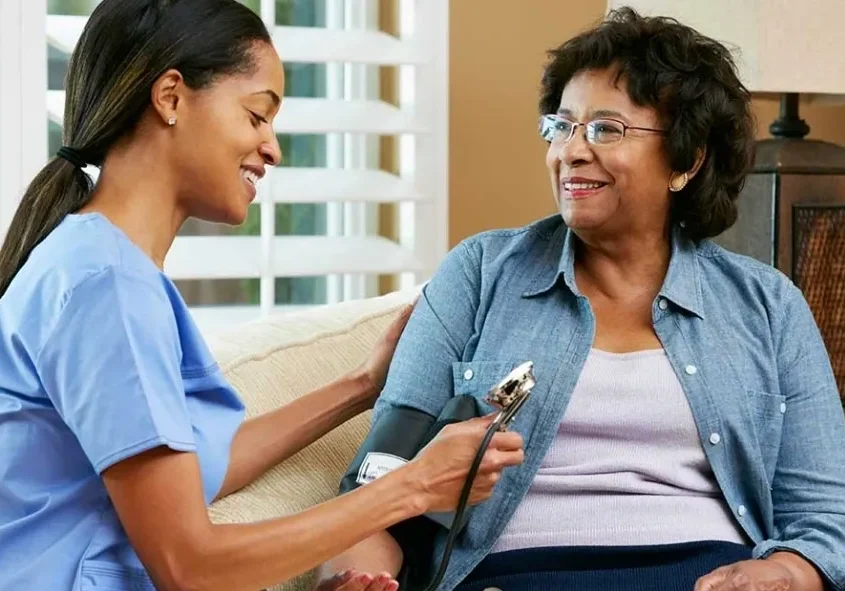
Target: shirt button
[
  {"x": 468, "y": 374},
  {"x": 783, "y": 407},
  {"x": 691, "y": 370},
  {"x": 662, "y": 304},
  {"x": 741, "y": 510},
  {"x": 715, "y": 438}
]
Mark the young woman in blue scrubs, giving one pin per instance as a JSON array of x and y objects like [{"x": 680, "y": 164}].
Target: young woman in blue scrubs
[{"x": 116, "y": 425}]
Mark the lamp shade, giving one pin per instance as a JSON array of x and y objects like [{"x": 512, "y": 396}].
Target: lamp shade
[{"x": 779, "y": 45}]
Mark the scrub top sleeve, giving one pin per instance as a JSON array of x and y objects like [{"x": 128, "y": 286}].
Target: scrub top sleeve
[{"x": 111, "y": 367}]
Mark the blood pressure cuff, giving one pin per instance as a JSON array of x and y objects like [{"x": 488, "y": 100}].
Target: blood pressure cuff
[
  {"x": 398, "y": 436},
  {"x": 395, "y": 439}
]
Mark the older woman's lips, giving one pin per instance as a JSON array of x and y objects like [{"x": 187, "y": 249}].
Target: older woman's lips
[{"x": 580, "y": 188}]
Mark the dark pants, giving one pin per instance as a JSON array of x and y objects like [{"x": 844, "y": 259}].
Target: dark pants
[{"x": 672, "y": 567}]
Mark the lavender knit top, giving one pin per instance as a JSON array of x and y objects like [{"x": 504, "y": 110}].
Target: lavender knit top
[{"x": 626, "y": 467}]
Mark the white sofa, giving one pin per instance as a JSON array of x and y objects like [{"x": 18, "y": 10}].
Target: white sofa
[{"x": 272, "y": 362}]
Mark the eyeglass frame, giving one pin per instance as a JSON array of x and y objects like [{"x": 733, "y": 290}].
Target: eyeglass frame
[{"x": 576, "y": 124}]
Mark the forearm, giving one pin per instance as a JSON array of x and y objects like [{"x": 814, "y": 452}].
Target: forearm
[
  {"x": 259, "y": 555},
  {"x": 265, "y": 441},
  {"x": 378, "y": 553},
  {"x": 804, "y": 574}
]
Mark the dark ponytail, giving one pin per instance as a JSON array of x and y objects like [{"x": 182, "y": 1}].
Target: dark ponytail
[{"x": 125, "y": 46}]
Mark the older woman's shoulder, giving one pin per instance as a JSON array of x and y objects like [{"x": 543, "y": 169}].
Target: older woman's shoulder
[
  {"x": 540, "y": 233},
  {"x": 726, "y": 271},
  {"x": 533, "y": 249}
]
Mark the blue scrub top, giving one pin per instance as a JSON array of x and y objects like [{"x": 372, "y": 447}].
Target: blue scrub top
[{"x": 99, "y": 361}]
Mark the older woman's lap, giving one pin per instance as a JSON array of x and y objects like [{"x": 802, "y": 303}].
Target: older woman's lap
[{"x": 673, "y": 567}]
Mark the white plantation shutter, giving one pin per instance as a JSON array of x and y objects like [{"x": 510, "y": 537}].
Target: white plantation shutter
[
  {"x": 23, "y": 79},
  {"x": 344, "y": 256}
]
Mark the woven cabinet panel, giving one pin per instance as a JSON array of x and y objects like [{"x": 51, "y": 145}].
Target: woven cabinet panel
[{"x": 819, "y": 271}]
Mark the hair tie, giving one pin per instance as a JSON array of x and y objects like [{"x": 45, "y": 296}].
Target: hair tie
[{"x": 72, "y": 156}]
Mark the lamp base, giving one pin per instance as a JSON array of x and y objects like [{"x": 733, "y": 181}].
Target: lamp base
[{"x": 789, "y": 124}]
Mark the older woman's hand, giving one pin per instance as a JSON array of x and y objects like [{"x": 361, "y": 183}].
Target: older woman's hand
[
  {"x": 749, "y": 575},
  {"x": 782, "y": 571}
]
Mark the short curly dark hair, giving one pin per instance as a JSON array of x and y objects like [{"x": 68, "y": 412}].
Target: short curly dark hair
[{"x": 691, "y": 81}]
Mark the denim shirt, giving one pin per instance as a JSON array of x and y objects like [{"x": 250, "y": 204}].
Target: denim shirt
[{"x": 739, "y": 335}]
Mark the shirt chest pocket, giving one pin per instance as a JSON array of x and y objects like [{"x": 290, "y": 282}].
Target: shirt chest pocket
[
  {"x": 477, "y": 378},
  {"x": 767, "y": 413}
]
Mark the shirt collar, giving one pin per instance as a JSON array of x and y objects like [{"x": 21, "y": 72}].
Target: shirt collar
[{"x": 682, "y": 285}]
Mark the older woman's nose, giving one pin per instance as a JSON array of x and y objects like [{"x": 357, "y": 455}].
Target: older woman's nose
[{"x": 576, "y": 150}]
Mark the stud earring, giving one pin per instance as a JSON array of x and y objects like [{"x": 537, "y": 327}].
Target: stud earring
[
  {"x": 674, "y": 187},
  {"x": 171, "y": 121}
]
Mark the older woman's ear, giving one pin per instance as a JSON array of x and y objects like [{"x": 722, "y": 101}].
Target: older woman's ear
[{"x": 700, "y": 155}]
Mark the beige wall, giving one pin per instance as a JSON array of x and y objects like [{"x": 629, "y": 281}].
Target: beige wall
[{"x": 496, "y": 173}]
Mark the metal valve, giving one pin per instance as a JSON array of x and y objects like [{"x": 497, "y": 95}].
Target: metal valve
[{"x": 511, "y": 393}]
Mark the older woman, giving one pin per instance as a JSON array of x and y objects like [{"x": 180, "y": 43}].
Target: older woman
[{"x": 685, "y": 432}]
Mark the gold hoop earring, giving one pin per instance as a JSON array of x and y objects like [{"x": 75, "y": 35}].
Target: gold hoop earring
[{"x": 674, "y": 188}]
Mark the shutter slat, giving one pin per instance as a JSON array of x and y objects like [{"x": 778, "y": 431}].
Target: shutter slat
[
  {"x": 302, "y": 115},
  {"x": 317, "y": 116},
  {"x": 239, "y": 257},
  {"x": 294, "y": 44},
  {"x": 320, "y": 45},
  {"x": 319, "y": 185}
]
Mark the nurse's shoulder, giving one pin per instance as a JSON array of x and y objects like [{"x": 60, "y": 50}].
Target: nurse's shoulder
[{"x": 85, "y": 254}]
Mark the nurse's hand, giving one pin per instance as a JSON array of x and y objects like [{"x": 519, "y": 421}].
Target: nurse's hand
[
  {"x": 441, "y": 468},
  {"x": 352, "y": 580},
  {"x": 373, "y": 373}
]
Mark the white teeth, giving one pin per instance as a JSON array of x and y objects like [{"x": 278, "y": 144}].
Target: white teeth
[
  {"x": 581, "y": 186},
  {"x": 250, "y": 176}
]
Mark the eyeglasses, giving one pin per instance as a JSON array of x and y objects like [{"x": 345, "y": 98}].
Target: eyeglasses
[{"x": 558, "y": 130}]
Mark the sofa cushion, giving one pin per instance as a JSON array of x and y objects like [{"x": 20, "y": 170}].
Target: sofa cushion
[{"x": 272, "y": 362}]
